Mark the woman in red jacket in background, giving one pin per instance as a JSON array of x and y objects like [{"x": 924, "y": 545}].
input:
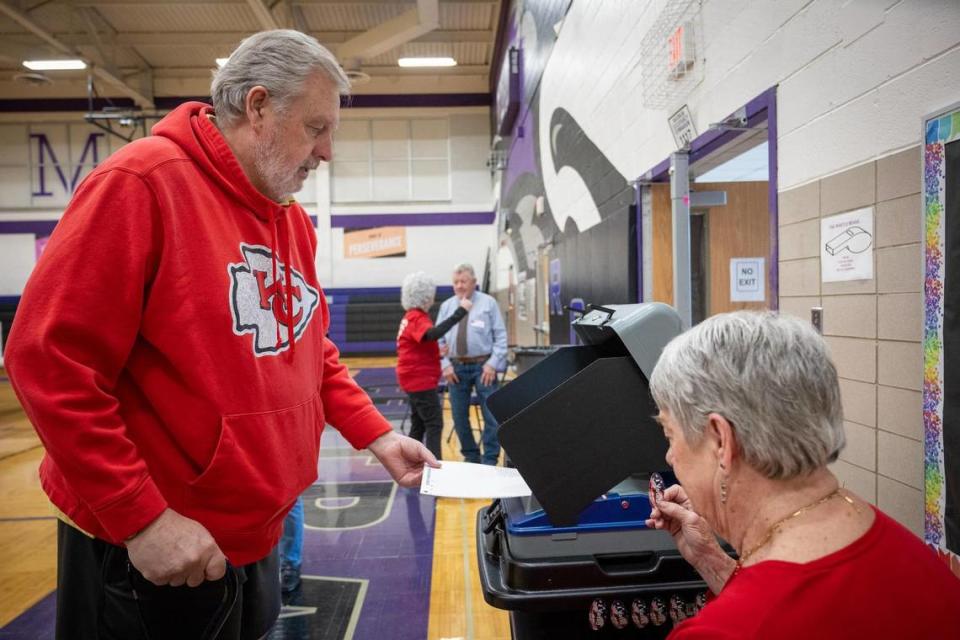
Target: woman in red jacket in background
[{"x": 418, "y": 357}]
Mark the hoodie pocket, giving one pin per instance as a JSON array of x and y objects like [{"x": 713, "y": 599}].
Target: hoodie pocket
[{"x": 262, "y": 462}]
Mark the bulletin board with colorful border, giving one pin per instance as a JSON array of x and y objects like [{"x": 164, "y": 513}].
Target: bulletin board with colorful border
[{"x": 941, "y": 333}]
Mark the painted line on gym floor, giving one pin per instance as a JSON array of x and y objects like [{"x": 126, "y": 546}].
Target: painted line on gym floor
[
  {"x": 27, "y": 518},
  {"x": 386, "y": 512},
  {"x": 17, "y": 453},
  {"x": 467, "y": 582}
]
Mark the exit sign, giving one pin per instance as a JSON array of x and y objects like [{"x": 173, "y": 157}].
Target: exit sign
[{"x": 680, "y": 50}]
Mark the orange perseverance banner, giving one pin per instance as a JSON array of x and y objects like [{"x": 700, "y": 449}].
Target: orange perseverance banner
[{"x": 379, "y": 242}]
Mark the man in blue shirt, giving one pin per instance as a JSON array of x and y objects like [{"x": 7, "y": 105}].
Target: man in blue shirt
[{"x": 477, "y": 350}]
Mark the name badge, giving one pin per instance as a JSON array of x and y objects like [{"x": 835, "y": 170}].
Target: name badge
[{"x": 477, "y": 323}]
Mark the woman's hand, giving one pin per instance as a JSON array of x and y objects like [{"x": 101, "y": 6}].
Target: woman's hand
[{"x": 693, "y": 536}]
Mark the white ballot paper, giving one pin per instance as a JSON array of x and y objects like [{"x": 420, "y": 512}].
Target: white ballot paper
[{"x": 470, "y": 480}]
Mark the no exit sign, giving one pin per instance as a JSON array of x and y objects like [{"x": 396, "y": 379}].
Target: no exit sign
[{"x": 747, "y": 280}]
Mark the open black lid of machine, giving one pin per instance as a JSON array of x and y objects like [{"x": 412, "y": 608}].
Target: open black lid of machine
[{"x": 582, "y": 419}]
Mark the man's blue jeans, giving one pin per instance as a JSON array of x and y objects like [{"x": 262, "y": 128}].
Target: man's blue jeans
[
  {"x": 291, "y": 542},
  {"x": 469, "y": 375}
]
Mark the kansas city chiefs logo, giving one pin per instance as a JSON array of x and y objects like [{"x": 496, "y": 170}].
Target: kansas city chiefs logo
[{"x": 259, "y": 305}]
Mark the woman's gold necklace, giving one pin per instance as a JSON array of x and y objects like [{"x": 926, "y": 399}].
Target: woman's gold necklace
[{"x": 775, "y": 527}]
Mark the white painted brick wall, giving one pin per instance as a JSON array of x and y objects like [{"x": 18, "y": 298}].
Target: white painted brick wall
[
  {"x": 854, "y": 79},
  {"x": 432, "y": 249}
]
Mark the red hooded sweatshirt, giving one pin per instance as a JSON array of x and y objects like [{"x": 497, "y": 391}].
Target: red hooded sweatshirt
[{"x": 151, "y": 347}]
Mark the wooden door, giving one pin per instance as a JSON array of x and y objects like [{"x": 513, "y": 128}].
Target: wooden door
[{"x": 741, "y": 229}]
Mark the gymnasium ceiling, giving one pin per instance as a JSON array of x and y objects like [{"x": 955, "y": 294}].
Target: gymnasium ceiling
[{"x": 150, "y": 49}]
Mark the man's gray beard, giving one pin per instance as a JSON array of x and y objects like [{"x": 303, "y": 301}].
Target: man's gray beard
[{"x": 268, "y": 162}]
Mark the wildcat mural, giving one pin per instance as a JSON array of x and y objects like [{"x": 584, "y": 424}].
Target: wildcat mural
[{"x": 552, "y": 157}]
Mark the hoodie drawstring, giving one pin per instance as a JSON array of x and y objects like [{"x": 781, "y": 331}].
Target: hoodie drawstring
[
  {"x": 274, "y": 248},
  {"x": 288, "y": 289},
  {"x": 285, "y": 288}
]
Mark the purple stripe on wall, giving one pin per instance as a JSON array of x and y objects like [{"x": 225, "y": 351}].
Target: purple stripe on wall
[
  {"x": 376, "y": 100},
  {"x": 338, "y": 306},
  {"x": 360, "y": 291},
  {"x": 411, "y": 219},
  {"x": 638, "y": 200},
  {"x": 38, "y": 227},
  {"x": 443, "y": 290},
  {"x": 61, "y": 104},
  {"x": 773, "y": 185},
  {"x": 368, "y": 347},
  {"x": 658, "y": 173},
  {"x": 170, "y": 102},
  {"x": 45, "y": 227},
  {"x": 763, "y": 101},
  {"x": 419, "y": 100}
]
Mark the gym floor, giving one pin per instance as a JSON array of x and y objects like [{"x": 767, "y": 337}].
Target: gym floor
[{"x": 379, "y": 561}]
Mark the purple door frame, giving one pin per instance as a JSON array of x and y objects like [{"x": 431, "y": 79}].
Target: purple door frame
[{"x": 760, "y": 109}]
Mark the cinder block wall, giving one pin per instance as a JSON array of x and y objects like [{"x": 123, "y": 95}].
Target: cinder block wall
[{"x": 873, "y": 327}]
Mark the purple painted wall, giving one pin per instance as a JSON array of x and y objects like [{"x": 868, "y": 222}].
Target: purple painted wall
[{"x": 164, "y": 103}]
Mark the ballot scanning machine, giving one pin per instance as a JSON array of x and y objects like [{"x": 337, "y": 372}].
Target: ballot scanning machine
[{"x": 575, "y": 559}]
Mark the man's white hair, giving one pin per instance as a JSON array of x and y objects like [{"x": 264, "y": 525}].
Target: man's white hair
[
  {"x": 279, "y": 60},
  {"x": 418, "y": 291},
  {"x": 465, "y": 267}
]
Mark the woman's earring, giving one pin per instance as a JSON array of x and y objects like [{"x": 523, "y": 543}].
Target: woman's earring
[{"x": 723, "y": 491}]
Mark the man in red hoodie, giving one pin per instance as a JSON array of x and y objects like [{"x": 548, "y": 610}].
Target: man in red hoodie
[{"x": 170, "y": 351}]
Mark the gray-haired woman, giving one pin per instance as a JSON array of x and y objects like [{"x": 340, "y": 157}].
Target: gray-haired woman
[
  {"x": 750, "y": 405},
  {"x": 418, "y": 357}
]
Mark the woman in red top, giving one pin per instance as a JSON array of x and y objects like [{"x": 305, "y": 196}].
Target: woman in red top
[
  {"x": 418, "y": 357},
  {"x": 750, "y": 405}
]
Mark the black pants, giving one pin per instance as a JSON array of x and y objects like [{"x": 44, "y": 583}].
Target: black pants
[
  {"x": 426, "y": 417},
  {"x": 100, "y": 596}
]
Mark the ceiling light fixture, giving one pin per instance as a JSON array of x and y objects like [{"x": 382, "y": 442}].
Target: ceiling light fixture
[
  {"x": 427, "y": 62},
  {"x": 54, "y": 65}
]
